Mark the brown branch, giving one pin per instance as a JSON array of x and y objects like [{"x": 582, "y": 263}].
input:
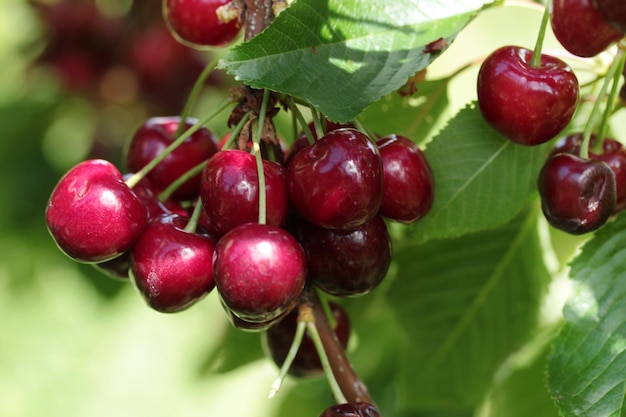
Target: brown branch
[{"x": 258, "y": 15}]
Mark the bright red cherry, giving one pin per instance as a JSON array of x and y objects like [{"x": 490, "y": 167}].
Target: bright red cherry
[
  {"x": 154, "y": 136},
  {"x": 260, "y": 271},
  {"x": 408, "y": 184},
  {"x": 582, "y": 29},
  {"x": 337, "y": 182},
  {"x": 528, "y": 105},
  {"x": 92, "y": 214},
  {"x": 230, "y": 191},
  {"x": 195, "y": 22},
  {"x": 577, "y": 195},
  {"x": 171, "y": 267}
]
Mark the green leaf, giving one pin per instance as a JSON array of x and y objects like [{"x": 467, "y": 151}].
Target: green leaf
[
  {"x": 482, "y": 180},
  {"x": 465, "y": 304},
  {"x": 587, "y": 370},
  {"x": 414, "y": 116},
  {"x": 342, "y": 55}
]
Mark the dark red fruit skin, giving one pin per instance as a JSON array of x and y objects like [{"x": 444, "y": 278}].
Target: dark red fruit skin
[
  {"x": 153, "y": 137},
  {"x": 116, "y": 268},
  {"x": 302, "y": 141},
  {"x": 260, "y": 271},
  {"x": 337, "y": 182},
  {"x": 230, "y": 191},
  {"x": 360, "y": 409},
  {"x": 253, "y": 327},
  {"x": 527, "y": 105},
  {"x": 614, "y": 11},
  {"x": 347, "y": 263},
  {"x": 195, "y": 22},
  {"x": 577, "y": 195},
  {"x": 92, "y": 214},
  {"x": 613, "y": 154},
  {"x": 408, "y": 182},
  {"x": 172, "y": 268},
  {"x": 278, "y": 339},
  {"x": 580, "y": 28}
]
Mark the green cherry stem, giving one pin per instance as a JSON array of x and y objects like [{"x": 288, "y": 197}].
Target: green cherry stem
[
  {"x": 608, "y": 111},
  {"x": 256, "y": 147},
  {"x": 305, "y": 126},
  {"x": 195, "y": 217},
  {"x": 195, "y": 91},
  {"x": 167, "y": 193},
  {"x": 595, "y": 111},
  {"x": 139, "y": 175},
  {"x": 303, "y": 319},
  {"x": 535, "y": 61}
]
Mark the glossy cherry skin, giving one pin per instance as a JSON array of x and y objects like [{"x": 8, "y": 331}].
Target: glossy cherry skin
[
  {"x": 230, "y": 191},
  {"x": 302, "y": 141},
  {"x": 360, "y": 409},
  {"x": 347, "y": 263},
  {"x": 577, "y": 195},
  {"x": 278, "y": 338},
  {"x": 613, "y": 154},
  {"x": 260, "y": 271},
  {"x": 408, "y": 183},
  {"x": 195, "y": 22},
  {"x": 171, "y": 267},
  {"x": 614, "y": 11},
  {"x": 92, "y": 214},
  {"x": 580, "y": 28},
  {"x": 153, "y": 137},
  {"x": 337, "y": 182},
  {"x": 525, "y": 104}
]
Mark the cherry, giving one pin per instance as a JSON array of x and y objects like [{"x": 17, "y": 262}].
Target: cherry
[
  {"x": 279, "y": 337},
  {"x": 302, "y": 141},
  {"x": 360, "y": 409},
  {"x": 614, "y": 11},
  {"x": 408, "y": 185},
  {"x": 154, "y": 136},
  {"x": 577, "y": 195},
  {"x": 347, "y": 263},
  {"x": 148, "y": 193},
  {"x": 230, "y": 191},
  {"x": 338, "y": 181},
  {"x": 260, "y": 271},
  {"x": 528, "y": 105},
  {"x": 171, "y": 267},
  {"x": 250, "y": 326},
  {"x": 92, "y": 214},
  {"x": 195, "y": 22},
  {"x": 581, "y": 28}
]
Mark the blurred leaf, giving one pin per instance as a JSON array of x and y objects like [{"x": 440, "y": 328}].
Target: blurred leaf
[
  {"x": 587, "y": 370},
  {"x": 482, "y": 180},
  {"x": 413, "y": 116},
  {"x": 342, "y": 55},
  {"x": 237, "y": 348},
  {"x": 465, "y": 305}
]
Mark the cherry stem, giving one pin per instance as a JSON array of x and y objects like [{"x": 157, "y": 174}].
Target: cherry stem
[
  {"x": 193, "y": 95},
  {"x": 192, "y": 226},
  {"x": 258, "y": 15},
  {"x": 293, "y": 350},
  {"x": 352, "y": 388},
  {"x": 535, "y": 61},
  {"x": 320, "y": 127},
  {"x": 236, "y": 131},
  {"x": 608, "y": 111},
  {"x": 256, "y": 147},
  {"x": 305, "y": 126},
  {"x": 595, "y": 111},
  {"x": 167, "y": 193},
  {"x": 139, "y": 175}
]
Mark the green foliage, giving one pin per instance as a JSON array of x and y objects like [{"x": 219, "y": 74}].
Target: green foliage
[
  {"x": 342, "y": 55},
  {"x": 588, "y": 366}
]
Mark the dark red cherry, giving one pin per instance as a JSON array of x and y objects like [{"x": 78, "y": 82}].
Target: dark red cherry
[
  {"x": 337, "y": 182},
  {"x": 260, "y": 271},
  {"x": 408, "y": 184},
  {"x": 153, "y": 137},
  {"x": 279, "y": 337},
  {"x": 614, "y": 11},
  {"x": 230, "y": 191},
  {"x": 347, "y": 263},
  {"x": 302, "y": 141},
  {"x": 171, "y": 267},
  {"x": 92, "y": 214},
  {"x": 528, "y": 105},
  {"x": 196, "y": 23},
  {"x": 577, "y": 195},
  {"x": 581, "y": 28},
  {"x": 360, "y": 409}
]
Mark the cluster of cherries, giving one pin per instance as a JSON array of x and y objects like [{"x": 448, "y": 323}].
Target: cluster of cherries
[
  {"x": 532, "y": 99},
  {"x": 187, "y": 219}
]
